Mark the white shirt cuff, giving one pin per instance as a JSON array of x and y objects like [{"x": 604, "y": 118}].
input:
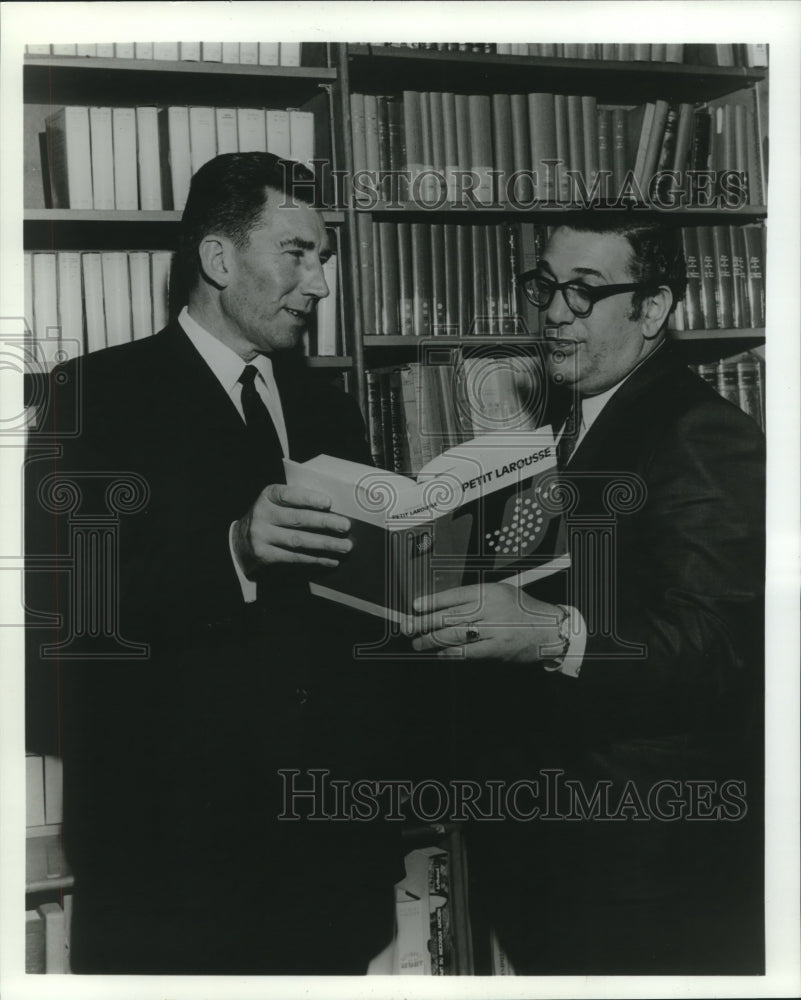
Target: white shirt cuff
[
  {"x": 570, "y": 663},
  {"x": 248, "y": 587}
]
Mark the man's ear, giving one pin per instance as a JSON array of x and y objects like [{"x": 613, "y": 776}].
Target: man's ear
[
  {"x": 655, "y": 311},
  {"x": 215, "y": 260}
]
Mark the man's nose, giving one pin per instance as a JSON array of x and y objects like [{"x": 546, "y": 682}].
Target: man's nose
[
  {"x": 314, "y": 283},
  {"x": 558, "y": 313}
]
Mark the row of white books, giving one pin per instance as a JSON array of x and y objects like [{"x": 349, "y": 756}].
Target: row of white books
[
  {"x": 144, "y": 157},
  {"x": 76, "y": 302},
  {"x": 244, "y": 53}
]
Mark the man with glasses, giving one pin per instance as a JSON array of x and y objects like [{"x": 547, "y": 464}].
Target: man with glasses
[{"x": 627, "y": 692}]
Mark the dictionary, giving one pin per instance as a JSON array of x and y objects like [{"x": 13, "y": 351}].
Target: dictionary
[{"x": 485, "y": 511}]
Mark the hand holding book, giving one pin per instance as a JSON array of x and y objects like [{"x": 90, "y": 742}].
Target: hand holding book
[{"x": 494, "y": 622}]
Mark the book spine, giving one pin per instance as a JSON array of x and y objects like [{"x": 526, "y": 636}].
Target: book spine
[
  {"x": 180, "y": 160},
  {"x": 542, "y": 134},
  {"x": 117, "y": 297},
  {"x": 268, "y": 53},
  {"x": 169, "y": 50},
  {"x": 724, "y": 280},
  {"x": 289, "y": 54},
  {"x": 202, "y": 137},
  {"x": 225, "y": 124},
  {"x": 45, "y": 299},
  {"x": 189, "y": 51},
  {"x": 748, "y": 389},
  {"x": 390, "y": 279},
  {"x": 252, "y": 130},
  {"x": 378, "y": 313},
  {"x": 481, "y": 145},
  {"x": 481, "y": 325},
  {"x": 706, "y": 260},
  {"x": 412, "y": 132},
  {"x": 27, "y": 259},
  {"x": 230, "y": 52},
  {"x": 523, "y": 190},
  {"x": 401, "y": 460},
  {"x": 421, "y": 269},
  {"x": 72, "y": 159},
  {"x": 141, "y": 299},
  {"x": 34, "y": 790},
  {"x": 364, "y": 228},
  {"x": 143, "y": 50},
  {"x": 277, "y": 137},
  {"x": 160, "y": 265},
  {"x": 403, "y": 236},
  {"x": 209, "y": 51},
  {"x": 740, "y": 317},
  {"x": 755, "y": 272},
  {"x": 505, "y": 148},
  {"x": 147, "y": 134},
  {"x": 386, "y": 419},
  {"x": 451, "y": 254},
  {"x": 491, "y": 271},
  {"x": 102, "y": 158},
  {"x": 358, "y": 135},
  {"x": 694, "y": 314},
  {"x": 562, "y": 193},
  {"x": 248, "y": 53},
  {"x": 439, "y": 293},
  {"x": 70, "y": 304},
  {"x": 463, "y": 154},
  {"x": 620, "y": 142},
  {"x": 464, "y": 255},
  {"x": 301, "y": 137},
  {"x": 123, "y": 125},
  {"x": 374, "y": 429},
  {"x": 605, "y": 150},
  {"x": 589, "y": 119},
  {"x": 92, "y": 267},
  {"x": 411, "y": 418}
]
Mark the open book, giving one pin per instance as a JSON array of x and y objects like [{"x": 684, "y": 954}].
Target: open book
[{"x": 484, "y": 511}]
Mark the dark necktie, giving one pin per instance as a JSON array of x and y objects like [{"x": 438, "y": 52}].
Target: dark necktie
[
  {"x": 261, "y": 429},
  {"x": 570, "y": 433}
]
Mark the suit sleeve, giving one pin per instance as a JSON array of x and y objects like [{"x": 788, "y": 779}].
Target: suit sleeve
[{"x": 688, "y": 585}]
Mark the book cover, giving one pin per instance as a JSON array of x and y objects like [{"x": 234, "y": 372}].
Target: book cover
[{"x": 484, "y": 506}]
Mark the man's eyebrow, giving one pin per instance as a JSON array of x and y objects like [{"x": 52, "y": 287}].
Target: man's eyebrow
[
  {"x": 590, "y": 271},
  {"x": 296, "y": 241}
]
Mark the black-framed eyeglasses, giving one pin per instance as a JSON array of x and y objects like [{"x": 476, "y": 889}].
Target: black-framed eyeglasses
[{"x": 539, "y": 289}]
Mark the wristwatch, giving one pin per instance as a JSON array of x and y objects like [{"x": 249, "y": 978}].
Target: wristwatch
[
  {"x": 554, "y": 663},
  {"x": 564, "y": 632}
]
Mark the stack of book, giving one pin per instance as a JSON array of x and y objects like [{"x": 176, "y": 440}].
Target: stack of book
[
  {"x": 144, "y": 157},
  {"x": 421, "y": 279},
  {"x": 47, "y": 941},
  {"x": 741, "y": 380},
  {"x": 244, "y": 53},
  {"x": 555, "y": 147},
  {"x": 725, "y": 278},
  {"x": 701, "y": 55},
  {"x": 76, "y": 302}
]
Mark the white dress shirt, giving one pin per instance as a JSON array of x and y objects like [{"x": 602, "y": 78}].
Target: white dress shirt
[{"x": 227, "y": 367}]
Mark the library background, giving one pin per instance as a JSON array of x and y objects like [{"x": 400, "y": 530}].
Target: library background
[{"x": 422, "y": 270}]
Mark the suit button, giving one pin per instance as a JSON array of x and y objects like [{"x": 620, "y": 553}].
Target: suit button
[{"x": 301, "y": 696}]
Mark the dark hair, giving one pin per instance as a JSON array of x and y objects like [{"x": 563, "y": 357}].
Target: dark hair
[
  {"x": 227, "y": 196},
  {"x": 657, "y": 253}
]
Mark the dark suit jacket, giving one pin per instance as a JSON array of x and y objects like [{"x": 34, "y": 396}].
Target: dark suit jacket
[
  {"x": 667, "y": 548},
  {"x": 171, "y": 762}
]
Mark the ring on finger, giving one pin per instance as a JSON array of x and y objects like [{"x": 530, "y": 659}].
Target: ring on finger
[{"x": 472, "y": 633}]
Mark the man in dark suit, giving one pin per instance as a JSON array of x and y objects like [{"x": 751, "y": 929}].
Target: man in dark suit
[
  {"x": 192, "y": 664},
  {"x": 629, "y": 689}
]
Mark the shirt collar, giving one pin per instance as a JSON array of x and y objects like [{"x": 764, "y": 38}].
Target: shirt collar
[
  {"x": 591, "y": 406},
  {"x": 224, "y": 362}
]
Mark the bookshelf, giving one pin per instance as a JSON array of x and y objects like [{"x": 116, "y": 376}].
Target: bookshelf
[{"x": 326, "y": 90}]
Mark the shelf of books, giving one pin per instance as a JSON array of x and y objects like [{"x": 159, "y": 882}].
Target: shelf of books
[{"x": 105, "y": 186}]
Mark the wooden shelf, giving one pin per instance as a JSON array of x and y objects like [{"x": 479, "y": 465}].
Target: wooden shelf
[
  {"x": 330, "y": 362},
  {"x": 74, "y": 80},
  {"x": 757, "y": 334},
  {"x": 475, "y": 72},
  {"x": 45, "y": 865},
  {"x": 78, "y": 229},
  {"x": 387, "y": 341},
  {"x": 696, "y": 213}
]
